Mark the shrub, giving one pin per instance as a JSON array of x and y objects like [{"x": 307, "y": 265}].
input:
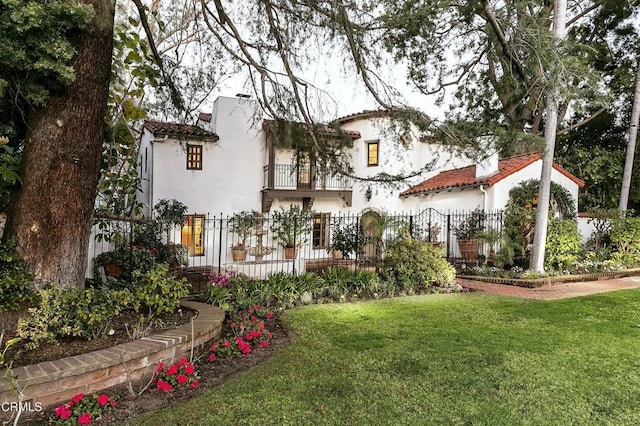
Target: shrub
[
  {"x": 71, "y": 311},
  {"x": 411, "y": 262},
  {"x": 16, "y": 286},
  {"x": 625, "y": 239},
  {"x": 564, "y": 244},
  {"x": 159, "y": 292}
]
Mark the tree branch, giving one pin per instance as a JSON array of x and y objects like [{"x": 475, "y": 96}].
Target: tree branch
[{"x": 585, "y": 121}]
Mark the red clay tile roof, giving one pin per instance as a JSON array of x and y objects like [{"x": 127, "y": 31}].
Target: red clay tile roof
[
  {"x": 465, "y": 177},
  {"x": 159, "y": 128},
  {"x": 206, "y": 117},
  {"x": 266, "y": 124}
]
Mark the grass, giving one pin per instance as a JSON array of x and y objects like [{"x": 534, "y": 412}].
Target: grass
[{"x": 441, "y": 359}]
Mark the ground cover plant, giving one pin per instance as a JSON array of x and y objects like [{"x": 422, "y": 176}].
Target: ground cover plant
[{"x": 440, "y": 359}]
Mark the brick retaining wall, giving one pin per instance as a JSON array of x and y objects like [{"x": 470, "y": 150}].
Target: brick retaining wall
[{"x": 53, "y": 382}]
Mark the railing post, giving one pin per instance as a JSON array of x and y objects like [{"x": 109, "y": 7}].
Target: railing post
[
  {"x": 357, "y": 241},
  {"x": 220, "y": 248},
  {"x": 448, "y": 236}
]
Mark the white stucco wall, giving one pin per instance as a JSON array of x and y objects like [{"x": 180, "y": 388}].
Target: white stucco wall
[{"x": 231, "y": 176}]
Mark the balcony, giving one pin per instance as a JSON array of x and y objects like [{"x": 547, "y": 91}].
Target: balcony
[{"x": 304, "y": 182}]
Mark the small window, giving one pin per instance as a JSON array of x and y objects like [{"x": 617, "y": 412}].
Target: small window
[
  {"x": 192, "y": 235},
  {"x": 320, "y": 236},
  {"x": 372, "y": 153},
  {"x": 194, "y": 157}
]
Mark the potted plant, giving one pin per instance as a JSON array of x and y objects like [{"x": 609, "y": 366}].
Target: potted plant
[
  {"x": 491, "y": 237},
  {"x": 344, "y": 240},
  {"x": 433, "y": 232},
  {"x": 113, "y": 262},
  {"x": 242, "y": 224},
  {"x": 176, "y": 255},
  {"x": 168, "y": 214},
  {"x": 466, "y": 233},
  {"x": 290, "y": 228}
]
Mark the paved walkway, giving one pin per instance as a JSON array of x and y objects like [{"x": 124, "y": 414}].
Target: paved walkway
[{"x": 554, "y": 291}]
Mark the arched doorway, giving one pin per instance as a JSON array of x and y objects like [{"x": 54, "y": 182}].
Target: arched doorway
[{"x": 372, "y": 224}]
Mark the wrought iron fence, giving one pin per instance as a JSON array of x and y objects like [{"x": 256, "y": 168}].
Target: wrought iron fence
[{"x": 351, "y": 241}]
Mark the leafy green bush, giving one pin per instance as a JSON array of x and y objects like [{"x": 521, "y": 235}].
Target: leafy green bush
[
  {"x": 16, "y": 286},
  {"x": 625, "y": 239},
  {"x": 71, "y": 311},
  {"x": 343, "y": 281},
  {"x": 411, "y": 262},
  {"x": 157, "y": 292},
  {"x": 564, "y": 244}
]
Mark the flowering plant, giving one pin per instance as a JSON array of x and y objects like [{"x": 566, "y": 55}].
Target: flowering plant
[
  {"x": 239, "y": 246},
  {"x": 182, "y": 373},
  {"x": 250, "y": 332},
  {"x": 82, "y": 409},
  {"x": 221, "y": 279}
]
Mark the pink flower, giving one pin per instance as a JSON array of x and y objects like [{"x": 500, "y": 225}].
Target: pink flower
[
  {"x": 269, "y": 335},
  {"x": 103, "y": 400},
  {"x": 181, "y": 378},
  {"x": 77, "y": 398},
  {"x": 263, "y": 344},
  {"x": 159, "y": 368},
  {"x": 269, "y": 315},
  {"x": 226, "y": 344},
  {"x": 257, "y": 307},
  {"x": 164, "y": 386},
  {"x": 246, "y": 350},
  {"x": 254, "y": 319},
  {"x": 183, "y": 361},
  {"x": 194, "y": 385},
  {"x": 212, "y": 357},
  {"x": 188, "y": 369},
  {"x": 172, "y": 370},
  {"x": 85, "y": 419},
  {"x": 214, "y": 347}
]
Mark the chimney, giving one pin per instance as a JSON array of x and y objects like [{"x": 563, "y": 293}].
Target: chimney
[{"x": 487, "y": 159}]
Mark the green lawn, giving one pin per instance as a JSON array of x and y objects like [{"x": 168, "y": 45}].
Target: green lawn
[{"x": 441, "y": 359}]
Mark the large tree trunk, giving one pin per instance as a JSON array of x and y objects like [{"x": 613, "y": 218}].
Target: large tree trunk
[
  {"x": 50, "y": 218},
  {"x": 550, "y": 129},
  {"x": 631, "y": 146}
]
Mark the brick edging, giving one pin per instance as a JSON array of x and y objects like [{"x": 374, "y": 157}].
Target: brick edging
[
  {"x": 539, "y": 282},
  {"x": 52, "y": 382}
]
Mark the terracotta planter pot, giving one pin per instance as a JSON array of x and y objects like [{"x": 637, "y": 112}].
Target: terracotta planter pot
[
  {"x": 239, "y": 255},
  {"x": 290, "y": 253},
  {"x": 337, "y": 254},
  {"x": 469, "y": 249},
  {"x": 112, "y": 270}
]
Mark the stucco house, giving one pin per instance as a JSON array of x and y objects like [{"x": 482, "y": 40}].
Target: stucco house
[{"x": 229, "y": 162}]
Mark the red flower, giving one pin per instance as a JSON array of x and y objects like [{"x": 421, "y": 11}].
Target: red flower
[
  {"x": 257, "y": 307},
  {"x": 164, "y": 386},
  {"x": 85, "y": 419},
  {"x": 212, "y": 357},
  {"x": 263, "y": 344},
  {"x": 172, "y": 370},
  {"x": 188, "y": 369},
  {"x": 194, "y": 385},
  {"x": 214, "y": 347},
  {"x": 254, "y": 319},
  {"x": 183, "y": 361},
  {"x": 269, "y": 314},
  {"x": 63, "y": 412},
  {"x": 226, "y": 344},
  {"x": 159, "y": 368},
  {"x": 269, "y": 335},
  {"x": 103, "y": 400},
  {"x": 181, "y": 378},
  {"x": 77, "y": 398}
]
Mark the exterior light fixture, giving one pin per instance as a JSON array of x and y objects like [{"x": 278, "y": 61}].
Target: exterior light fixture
[{"x": 368, "y": 193}]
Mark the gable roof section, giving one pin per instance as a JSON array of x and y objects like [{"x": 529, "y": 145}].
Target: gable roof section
[
  {"x": 367, "y": 113},
  {"x": 159, "y": 128},
  {"x": 465, "y": 177}
]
